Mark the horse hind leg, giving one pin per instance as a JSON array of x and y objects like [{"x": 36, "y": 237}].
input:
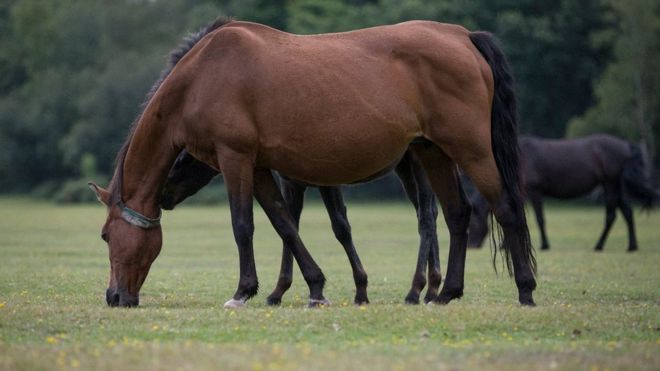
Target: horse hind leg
[
  {"x": 334, "y": 204},
  {"x": 270, "y": 199},
  {"x": 443, "y": 176},
  {"x": 404, "y": 172},
  {"x": 294, "y": 195},
  {"x": 611, "y": 200},
  {"x": 537, "y": 205},
  {"x": 420, "y": 194},
  {"x": 510, "y": 215},
  {"x": 627, "y": 212}
]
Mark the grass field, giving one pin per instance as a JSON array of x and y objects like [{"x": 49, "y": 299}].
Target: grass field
[{"x": 595, "y": 311}]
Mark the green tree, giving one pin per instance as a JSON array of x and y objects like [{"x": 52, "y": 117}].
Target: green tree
[{"x": 628, "y": 93}]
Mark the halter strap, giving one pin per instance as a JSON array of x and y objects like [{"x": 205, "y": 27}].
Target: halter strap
[{"x": 137, "y": 219}]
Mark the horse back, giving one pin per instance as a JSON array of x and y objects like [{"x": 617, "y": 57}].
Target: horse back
[
  {"x": 567, "y": 168},
  {"x": 330, "y": 98}
]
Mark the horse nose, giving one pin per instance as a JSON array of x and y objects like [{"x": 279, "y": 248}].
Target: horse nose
[
  {"x": 126, "y": 300},
  {"x": 112, "y": 297},
  {"x": 167, "y": 202}
]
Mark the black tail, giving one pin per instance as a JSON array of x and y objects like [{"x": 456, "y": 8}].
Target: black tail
[
  {"x": 635, "y": 181},
  {"x": 504, "y": 137}
]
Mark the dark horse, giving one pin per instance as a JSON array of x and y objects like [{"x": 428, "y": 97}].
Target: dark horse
[
  {"x": 326, "y": 110},
  {"x": 570, "y": 168},
  {"x": 189, "y": 175}
]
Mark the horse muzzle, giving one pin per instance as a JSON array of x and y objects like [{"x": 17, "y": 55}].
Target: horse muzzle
[{"x": 120, "y": 298}]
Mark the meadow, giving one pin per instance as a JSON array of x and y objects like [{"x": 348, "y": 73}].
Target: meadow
[{"x": 595, "y": 311}]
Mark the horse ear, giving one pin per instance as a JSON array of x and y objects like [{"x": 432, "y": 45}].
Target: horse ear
[{"x": 101, "y": 194}]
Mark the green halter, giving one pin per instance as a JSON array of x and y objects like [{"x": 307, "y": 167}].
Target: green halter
[{"x": 137, "y": 219}]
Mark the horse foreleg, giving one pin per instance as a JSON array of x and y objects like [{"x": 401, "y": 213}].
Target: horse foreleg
[
  {"x": 427, "y": 216},
  {"x": 537, "y": 204},
  {"x": 334, "y": 204},
  {"x": 238, "y": 177},
  {"x": 294, "y": 195},
  {"x": 405, "y": 173},
  {"x": 270, "y": 199},
  {"x": 444, "y": 178}
]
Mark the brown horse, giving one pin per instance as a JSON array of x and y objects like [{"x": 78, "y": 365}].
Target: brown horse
[
  {"x": 188, "y": 175},
  {"x": 570, "y": 168},
  {"x": 324, "y": 110}
]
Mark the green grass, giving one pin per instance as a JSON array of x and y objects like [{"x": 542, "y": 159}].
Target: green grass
[{"x": 595, "y": 310}]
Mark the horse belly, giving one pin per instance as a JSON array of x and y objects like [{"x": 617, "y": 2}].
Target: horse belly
[{"x": 335, "y": 153}]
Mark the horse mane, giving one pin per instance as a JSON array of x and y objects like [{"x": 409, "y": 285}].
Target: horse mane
[{"x": 174, "y": 57}]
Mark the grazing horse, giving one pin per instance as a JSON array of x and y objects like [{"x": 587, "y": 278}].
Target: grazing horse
[
  {"x": 569, "y": 168},
  {"x": 189, "y": 175},
  {"x": 325, "y": 109}
]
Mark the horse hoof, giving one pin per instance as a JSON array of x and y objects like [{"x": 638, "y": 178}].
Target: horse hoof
[
  {"x": 526, "y": 299},
  {"x": 412, "y": 299},
  {"x": 428, "y": 299},
  {"x": 364, "y": 301},
  {"x": 632, "y": 249},
  {"x": 234, "y": 304},
  {"x": 439, "y": 301},
  {"x": 273, "y": 301},
  {"x": 316, "y": 303},
  {"x": 528, "y": 303}
]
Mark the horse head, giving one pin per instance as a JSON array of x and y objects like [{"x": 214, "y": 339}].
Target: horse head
[
  {"x": 187, "y": 176},
  {"x": 134, "y": 241},
  {"x": 478, "y": 229}
]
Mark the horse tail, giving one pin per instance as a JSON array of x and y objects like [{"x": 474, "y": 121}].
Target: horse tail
[
  {"x": 635, "y": 181},
  {"x": 504, "y": 140}
]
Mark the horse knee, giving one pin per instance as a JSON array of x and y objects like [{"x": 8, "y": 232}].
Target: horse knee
[{"x": 360, "y": 277}]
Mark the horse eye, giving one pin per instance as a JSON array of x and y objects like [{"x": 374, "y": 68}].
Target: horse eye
[{"x": 104, "y": 236}]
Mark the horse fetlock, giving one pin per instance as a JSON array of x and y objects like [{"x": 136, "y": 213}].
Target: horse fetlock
[
  {"x": 361, "y": 297},
  {"x": 525, "y": 298},
  {"x": 418, "y": 282},
  {"x": 526, "y": 284},
  {"x": 361, "y": 279},
  {"x": 430, "y": 296},
  {"x": 435, "y": 279},
  {"x": 284, "y": 283},
  {"x": 246, "y": 290},
  {"x": 448, "y": 294},
  {"x": 316, "y": 280},
  {"x": 274, "y": 300}
]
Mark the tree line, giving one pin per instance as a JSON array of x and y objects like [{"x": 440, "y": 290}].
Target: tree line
[{"x": 73, "y": 73}]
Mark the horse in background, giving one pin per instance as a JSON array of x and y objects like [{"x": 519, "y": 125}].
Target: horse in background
[
  {"x": 188, "y": 175},
  {"x": 570, "y": 168},
  {"x": 326, "y": 109}
]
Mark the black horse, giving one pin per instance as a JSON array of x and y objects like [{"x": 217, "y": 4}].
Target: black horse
[
  {"x": 572, "y": 168},
  {"x": 188, "y": 175}
]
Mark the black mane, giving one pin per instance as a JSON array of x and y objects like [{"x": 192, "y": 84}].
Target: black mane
[{"x": 174, "y": 57}]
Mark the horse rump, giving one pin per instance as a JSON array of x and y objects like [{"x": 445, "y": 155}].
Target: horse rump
[{"x": 635, "y": 181}]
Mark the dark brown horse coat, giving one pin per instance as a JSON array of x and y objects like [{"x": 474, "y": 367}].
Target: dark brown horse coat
[{"x": 570, "y": 168}]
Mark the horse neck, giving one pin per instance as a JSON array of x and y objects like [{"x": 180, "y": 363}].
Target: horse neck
[{"x": 148, "y": 160}]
